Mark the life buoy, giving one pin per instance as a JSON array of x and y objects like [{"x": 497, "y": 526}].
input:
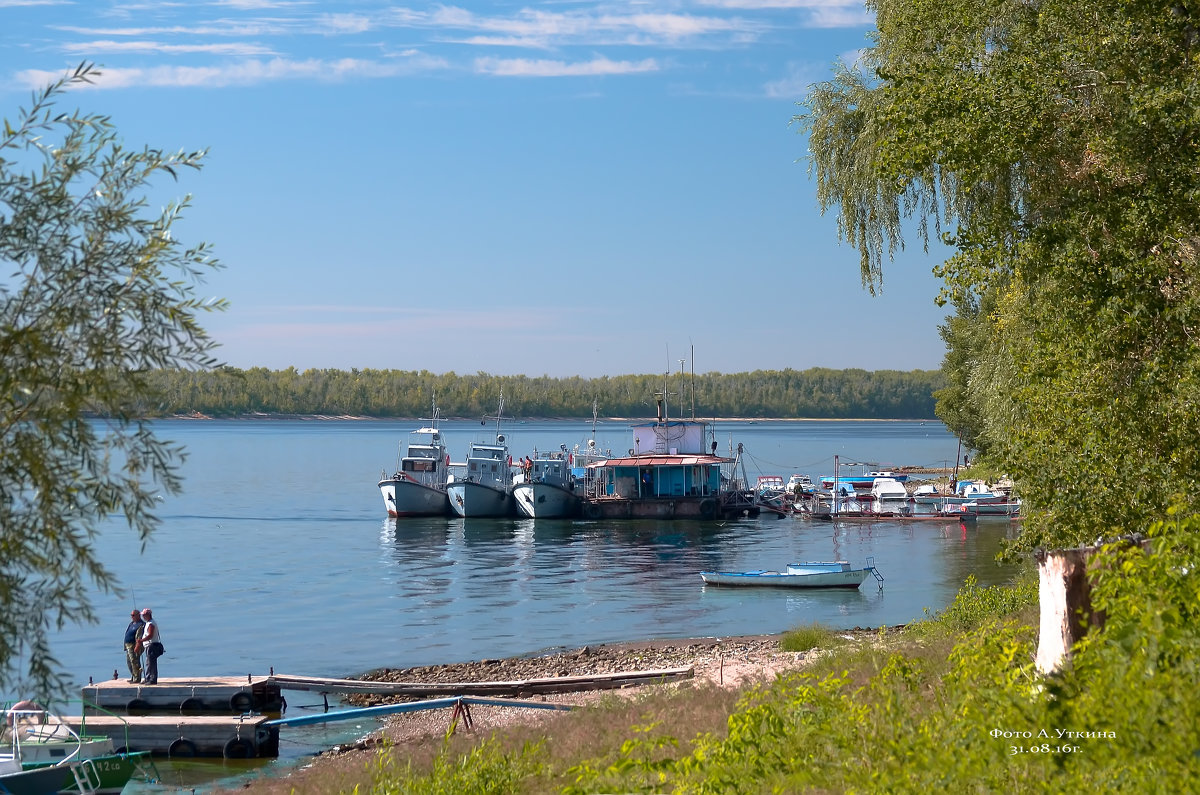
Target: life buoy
[
  {"x": 182, "y": 747},
  {"x": 708, "y": 508},
  {"x": 241, "y": 701},
  {"x": 238, "y": 748}
]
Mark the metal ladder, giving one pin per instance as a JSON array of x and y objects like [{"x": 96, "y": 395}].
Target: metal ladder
[{"x": 875, "y": 571}]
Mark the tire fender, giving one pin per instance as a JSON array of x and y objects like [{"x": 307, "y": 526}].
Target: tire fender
[
  {"x": 238, "y": 748},
  {"x": 182, "y": 747}
]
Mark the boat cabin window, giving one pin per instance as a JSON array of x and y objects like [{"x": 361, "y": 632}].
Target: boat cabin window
[{"x": 426, "y": 465}]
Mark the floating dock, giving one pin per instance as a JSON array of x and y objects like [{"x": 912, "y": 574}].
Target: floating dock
[
  {"x": 228, "y": 736},
  {"x": 207, "y": 695}
]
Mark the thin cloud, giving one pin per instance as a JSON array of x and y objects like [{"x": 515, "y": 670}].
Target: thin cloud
[
  {"x": 259, "y": 5},
  {"x": 344, "y": 23},
  {"x": 220, "y": 28},
  {"x": 841, "y": 18},
  {"x": 524, "y": 67},
  {"x": 545, "y": 30},
  {"x": 30, "y": 3},
  {"x": 795, "y": 83},
  {"x": 93, "y": 47},
  {"x": 822, "y": 13},
  {"x": 245, "y": 73}
]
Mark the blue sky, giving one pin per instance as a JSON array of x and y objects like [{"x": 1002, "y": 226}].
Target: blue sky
[{"x": 562, "y": 188}]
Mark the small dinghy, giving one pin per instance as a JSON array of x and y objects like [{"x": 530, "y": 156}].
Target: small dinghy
[{"x": 833, "y": 574}]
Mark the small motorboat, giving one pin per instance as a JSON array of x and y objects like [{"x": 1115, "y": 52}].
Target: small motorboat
[
  {"x": 43, "y": 742},
  {"x": 812, "y": 574}
]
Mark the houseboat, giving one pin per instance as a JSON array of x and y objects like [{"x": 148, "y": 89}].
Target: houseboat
[{"x": 672, "y": 471}]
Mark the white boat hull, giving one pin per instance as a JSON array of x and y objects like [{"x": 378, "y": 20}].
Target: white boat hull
[
  {"x": 805, "y": 575},
  {"x": 544, "y": 501},
  {"x": 407, "y": 498},
  {"x": 469, "y": 499},
  {"x": 991, "y": 508}
]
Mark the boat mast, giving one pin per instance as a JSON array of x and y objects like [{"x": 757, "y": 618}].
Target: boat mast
[
  {"x": 499, "y": 416},
  {"x": 835, "y": 484},
  {"x": 682, "y": 387},
  {"x": 693, "y": 368}
]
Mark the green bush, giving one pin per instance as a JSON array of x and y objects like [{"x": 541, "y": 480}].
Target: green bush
[{"x": 810, "y": 636}]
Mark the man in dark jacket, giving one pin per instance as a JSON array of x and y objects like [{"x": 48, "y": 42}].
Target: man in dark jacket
[{"x": 133, "y": 646}]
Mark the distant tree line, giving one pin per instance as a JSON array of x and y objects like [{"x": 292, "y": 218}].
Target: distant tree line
[{"x": 817, "y": 393}]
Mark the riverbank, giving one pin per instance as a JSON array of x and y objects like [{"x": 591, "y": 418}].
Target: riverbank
[{"x": 721, "y": 665}]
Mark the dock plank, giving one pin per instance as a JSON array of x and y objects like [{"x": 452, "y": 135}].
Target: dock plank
[
  {"x": 187, "y": 695},
  {"x": 559, "y": 684}
]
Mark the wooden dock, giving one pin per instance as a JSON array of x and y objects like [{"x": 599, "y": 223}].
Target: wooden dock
[
  {"x": 228, "y": 736},
  {"x": 223, "y": 716},
  {"x": 517, "y": 688},
  {"x": 207, "y": 695}
]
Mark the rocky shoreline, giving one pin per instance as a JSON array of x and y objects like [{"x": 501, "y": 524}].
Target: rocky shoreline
[
  {"x": 730, "y": 662},
  {"x": 726, "y": 662},
  {"x": 699, "y": 653}
]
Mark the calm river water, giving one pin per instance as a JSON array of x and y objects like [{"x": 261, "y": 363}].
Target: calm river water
[{"x": 280, "y": 555}]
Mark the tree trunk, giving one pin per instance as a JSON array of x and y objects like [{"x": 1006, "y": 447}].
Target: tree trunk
[{"x": 1065, "y": 596}]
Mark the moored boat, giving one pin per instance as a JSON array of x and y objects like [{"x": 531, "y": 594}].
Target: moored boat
[
  {"x": 985, "y": 500},
  {"x": 800, "y": 485},
  {"x": 486, "y": 487},
  {"x": 1010, "y": 508},
  {"x": 42, "y": 742},
  {"x": 812, "y": 574},
  {"x": 418, "y": 487},
  {"x": 17, "y": 780},
  {"x": 545, "y": 488},
  {"x": 861, "y": 482},
  {"x": 669, "y": 473}
]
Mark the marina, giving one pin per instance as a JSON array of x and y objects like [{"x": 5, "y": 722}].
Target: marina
[{"x": 278, "y": 558}]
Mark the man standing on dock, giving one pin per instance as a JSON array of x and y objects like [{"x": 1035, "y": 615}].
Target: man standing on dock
[
  {"x": 133, "y": 647},
  {"x": 152, "y": 641}
]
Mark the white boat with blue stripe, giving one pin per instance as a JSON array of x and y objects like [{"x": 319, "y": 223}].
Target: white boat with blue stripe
[{"x": 812, "y": 574}]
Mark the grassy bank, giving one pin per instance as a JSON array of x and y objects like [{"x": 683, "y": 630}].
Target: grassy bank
[{"x": 948, "y": 704}]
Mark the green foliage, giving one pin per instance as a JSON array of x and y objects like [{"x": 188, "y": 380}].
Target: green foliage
[
  {"x": 97, "y": 295},
  {"x": 483, "y": 770},
  {"x": 980, "y": 719},
  {"x": 974, "y": 606},
  {"x": 810, "y": 636},
  {"x": 915, "y": 717},
  {"x": 1055, "y": 145},
  {"x": 816, "y": 393}
]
